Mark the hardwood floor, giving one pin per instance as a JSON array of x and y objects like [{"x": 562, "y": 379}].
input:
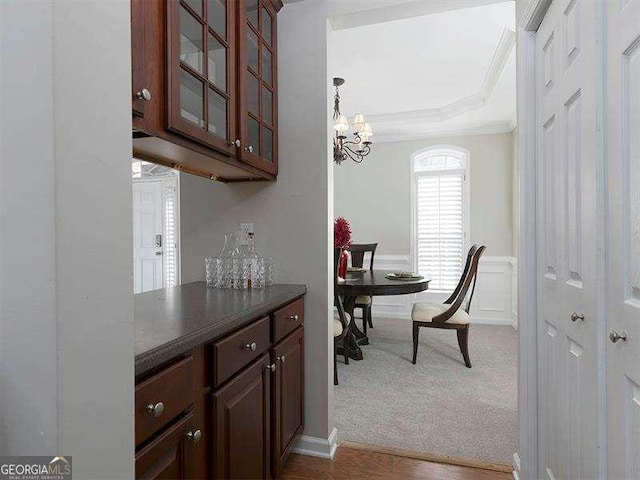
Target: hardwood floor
[{"x": 358, "y": 464}]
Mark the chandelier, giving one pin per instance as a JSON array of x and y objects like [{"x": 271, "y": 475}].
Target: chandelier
[{"x": 360, "y": 146}]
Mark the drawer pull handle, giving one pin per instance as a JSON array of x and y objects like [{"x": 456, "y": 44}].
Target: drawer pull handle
[
  {"x": 155, "y": 410},
  {"x": 272, "y": 367},
  {"x": 194, "y": 436},
  {"x": 251, "y": 346},
  {"x": 294, "y": 318},
  {"x": 281, "y": 358}
]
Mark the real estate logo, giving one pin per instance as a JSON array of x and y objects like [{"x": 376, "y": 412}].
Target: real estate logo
[{"x": 35, "y": 468}]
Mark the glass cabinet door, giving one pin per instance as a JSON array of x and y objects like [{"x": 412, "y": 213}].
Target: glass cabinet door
[
  {"x": 258, "y": 89},
  {"x": 201, "y": 71}
]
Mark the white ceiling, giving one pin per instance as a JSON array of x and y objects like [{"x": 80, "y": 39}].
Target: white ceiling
[{"x": 435, "y": 74}]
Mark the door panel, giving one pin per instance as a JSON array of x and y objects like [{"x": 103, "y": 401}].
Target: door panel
[
  {"x": 288, "y": 394},
  {"x": 567, "y": 196},
  {"x": 242, "y": 425},
  {"x": 170, "y": 456},
  {"x": 622, "y": 98},
  {"x": 147, "y": 246}
]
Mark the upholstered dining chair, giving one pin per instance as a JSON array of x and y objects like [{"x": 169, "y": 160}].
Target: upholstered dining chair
[
  {"x": 453, "y": 314},
  {"x": 358, "y": 251}
]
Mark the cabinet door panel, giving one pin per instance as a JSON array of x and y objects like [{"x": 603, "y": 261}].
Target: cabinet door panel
[
  {"x": 170, "y": 456},
  {"x": 288, "y": 395},
  {"x": 257, "y": 94},
  {"x": 201, "y": 72},
  {"x": 138, "y": 58},
  {"x": 242, "y": 430}
]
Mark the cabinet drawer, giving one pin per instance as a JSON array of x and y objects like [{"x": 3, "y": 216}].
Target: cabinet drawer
[
  {"x": 287, "y": 319},
  {"x": 237, "y": 350},
  {"x": 162, "y": 397}
]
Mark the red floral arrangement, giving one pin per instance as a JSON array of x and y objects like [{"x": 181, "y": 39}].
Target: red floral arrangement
[{"x": 341, "y": 233}]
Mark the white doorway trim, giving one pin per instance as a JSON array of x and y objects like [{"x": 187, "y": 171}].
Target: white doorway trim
[{"x": 525, "y": 460}]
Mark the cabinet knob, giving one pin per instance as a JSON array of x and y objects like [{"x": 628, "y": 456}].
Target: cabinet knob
[
  {"x": 249, "y": 148},
  {"x": 615, "y": 337},
  {"x": 155, "y": 409},
  {"x": 194, "y": 436},
  {"x": 281, "y": 358},
  {"x": 144, "y": 94},
  {"x": 251, "y": 346},
  {"x": 236, "y": 143},
  {"x": 294, "y": 318},
  {"x": 577, "y": 316},
  {"x": 271, "y": 367}
]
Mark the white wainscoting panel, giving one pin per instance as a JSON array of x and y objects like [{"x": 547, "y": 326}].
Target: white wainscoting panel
[{"x": 494, "y": 301}]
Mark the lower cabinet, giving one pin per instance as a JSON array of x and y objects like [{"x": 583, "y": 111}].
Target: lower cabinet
[
  {"x": 233, "y": 408},
  {"x": 241, "y": 422},
  {"x": 288, "y": 395},
  {"x": 170, "y": 455}
]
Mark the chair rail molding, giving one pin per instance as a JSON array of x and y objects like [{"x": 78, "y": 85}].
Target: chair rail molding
[{"x": 493, "y": 302}]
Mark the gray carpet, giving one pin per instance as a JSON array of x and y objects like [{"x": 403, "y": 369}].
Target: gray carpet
[{"x": 437, "y": 406}]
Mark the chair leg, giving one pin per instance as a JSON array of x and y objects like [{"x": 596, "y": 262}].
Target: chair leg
[
  {"x": 345, "y": 346},
  {"x": 416, "y": 333},
  {"x": 364, "y": 319},
  {"x": 463, "y": 342},
  {"x": 335, "y": 364},
  {"x": 369, "y": 321}
]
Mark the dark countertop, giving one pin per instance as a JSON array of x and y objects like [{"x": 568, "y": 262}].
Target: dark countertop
[{"x": 171, "y": 321}]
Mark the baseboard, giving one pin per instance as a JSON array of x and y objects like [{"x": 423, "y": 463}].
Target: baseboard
[
  {"x": 430, "y": 457},
  {"x": 318, "y": 447},
  {"x": 516, "y": 466}
]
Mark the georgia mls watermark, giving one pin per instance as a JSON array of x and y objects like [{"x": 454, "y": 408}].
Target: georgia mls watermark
[{"x": 35, "y": 468}]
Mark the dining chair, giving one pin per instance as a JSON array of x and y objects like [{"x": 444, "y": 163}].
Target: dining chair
[
  {"x": 358, "y": 251},
  {"x": 341, "y": 322},
  {"x": 451, "y": 314}
]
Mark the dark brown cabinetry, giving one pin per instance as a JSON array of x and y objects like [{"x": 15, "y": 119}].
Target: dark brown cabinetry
[
  {"x": 229, "y": 409},
  {"x": 170, "y": 455},
  {"x": 242, "y": 415},
  {"x": 258, "y": 78},
  {"x": 288, "y": 395},
  {"x": 204, "y": 93}
]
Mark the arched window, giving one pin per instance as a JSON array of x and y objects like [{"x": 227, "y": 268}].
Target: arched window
[{"x": 440, "y": 204}]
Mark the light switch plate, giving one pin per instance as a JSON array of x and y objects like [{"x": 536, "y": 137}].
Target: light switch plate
[{"x": 246, "y": 229}]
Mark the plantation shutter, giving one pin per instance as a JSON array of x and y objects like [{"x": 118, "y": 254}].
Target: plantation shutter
[
  {"x": 170, "y": 232},
  {"x": 440, "y": 227}
]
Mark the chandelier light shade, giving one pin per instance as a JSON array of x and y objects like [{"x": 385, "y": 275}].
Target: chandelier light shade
[{"x": 360, "y": 146}]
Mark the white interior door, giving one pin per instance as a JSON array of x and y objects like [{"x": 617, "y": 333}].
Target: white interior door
[
  {"x": 566, "y": 91},
  {"x": 623, "y": 241},
  {"x": 147, "y": 236}
]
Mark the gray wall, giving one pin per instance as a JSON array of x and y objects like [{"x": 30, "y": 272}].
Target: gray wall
[
  {"x": 66, "y": 313},
  {"x": 292, "y": 216},
  {"x": 375, "y": 195}
]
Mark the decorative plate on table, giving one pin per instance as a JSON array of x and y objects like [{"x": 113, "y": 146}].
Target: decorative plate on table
[
  {"x": 355, "y": 271},
  {"x": 404, "y": 276}
]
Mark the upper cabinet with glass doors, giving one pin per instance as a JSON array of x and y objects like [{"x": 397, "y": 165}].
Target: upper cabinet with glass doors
[
  {"x": 201, "y": 73},
  {"x": 258, "y": 84},
  {"x": 204, "y": 86}
]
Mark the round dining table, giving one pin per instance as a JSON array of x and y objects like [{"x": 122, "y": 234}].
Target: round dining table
[{"x": 371, "y": 283}]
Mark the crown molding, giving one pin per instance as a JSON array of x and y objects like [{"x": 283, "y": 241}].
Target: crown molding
[
  {"x": 472, "y": 102},
  {"x": 487, "y": 129}
]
